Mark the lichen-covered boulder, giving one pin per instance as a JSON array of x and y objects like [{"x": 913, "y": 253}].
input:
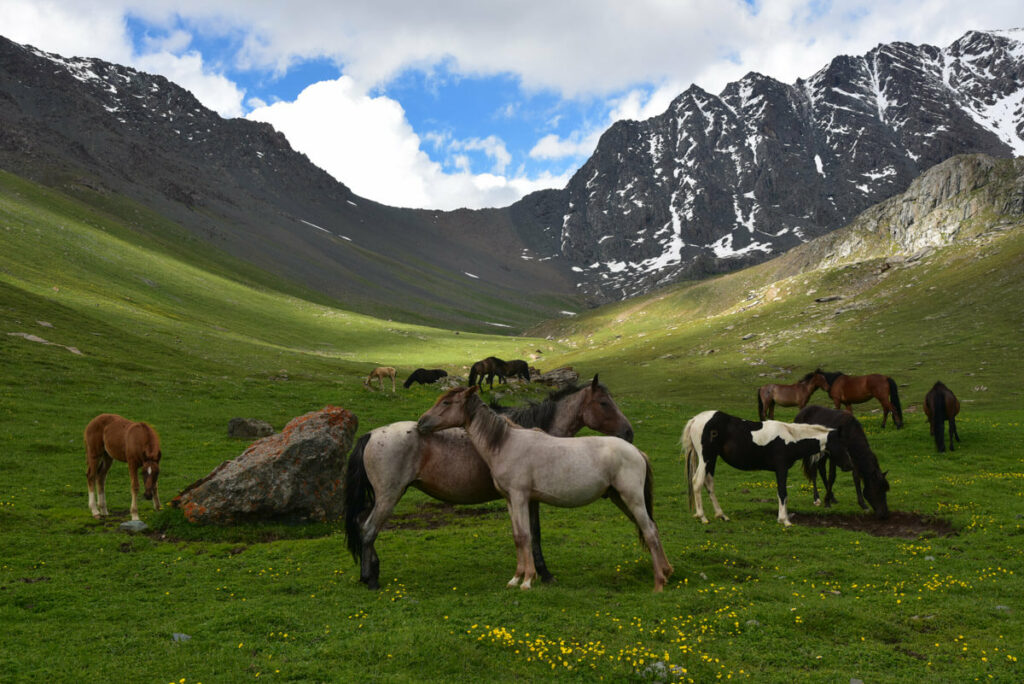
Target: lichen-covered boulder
[
  {"x": 249, "y": 428},
  {"x": 293, "y": 476}
]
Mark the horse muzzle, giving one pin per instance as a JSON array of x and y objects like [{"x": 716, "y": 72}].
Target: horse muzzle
[{"x": 425, "y": 426}]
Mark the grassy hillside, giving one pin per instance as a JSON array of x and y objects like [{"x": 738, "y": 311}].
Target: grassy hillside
[{"x": 187, "y": 344}]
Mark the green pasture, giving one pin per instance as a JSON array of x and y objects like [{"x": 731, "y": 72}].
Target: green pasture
[{"x": 188, "y": 343}]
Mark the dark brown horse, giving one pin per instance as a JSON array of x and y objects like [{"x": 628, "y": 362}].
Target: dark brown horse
[
  {"x": 517, "y": 369},
  {"x": 109, "y": 437},
  {"x": 857, "y": 457},
  {"x": 490, "y": 367},
  {"x": 797, "y": 394},
  {"x": 424, "y": 376},
  {"x": 855, "y": 389},
  {"x": 388, "y": 460},
  {"x": 941, "y": 405}
]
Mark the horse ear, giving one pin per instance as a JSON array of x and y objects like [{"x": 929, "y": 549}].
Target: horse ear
[{"x": 595, "y": 383}]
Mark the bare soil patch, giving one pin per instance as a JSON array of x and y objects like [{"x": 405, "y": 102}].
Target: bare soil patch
[
  {"x": 901, "y": 524},
  {"x": 431, "y": 515}
]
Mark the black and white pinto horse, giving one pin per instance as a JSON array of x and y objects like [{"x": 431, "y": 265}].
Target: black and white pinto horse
[
  {"x": 424, "y": 376},
  {"x": 746, "y": 445}
]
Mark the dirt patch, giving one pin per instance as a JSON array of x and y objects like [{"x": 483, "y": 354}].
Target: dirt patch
[
  {"x": 431, "y": 515},
  {"x": 898, "y": 524}
]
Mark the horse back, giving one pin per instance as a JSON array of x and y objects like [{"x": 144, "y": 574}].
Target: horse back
[
  {"x": 141, "y": 442},
  {"x": 105, "y": 433}
]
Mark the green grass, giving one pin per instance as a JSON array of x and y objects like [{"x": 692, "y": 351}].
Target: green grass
[{"x": 187, "y": 348}]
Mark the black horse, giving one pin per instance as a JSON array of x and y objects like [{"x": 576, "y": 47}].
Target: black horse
[
  {"x": 857, "y": 456},
  {"x": 425, "y": 377},
  {"x": 490, "y": 367},
  {"x": 517, "y": 369},
  {"x": 941, "y": 405}
]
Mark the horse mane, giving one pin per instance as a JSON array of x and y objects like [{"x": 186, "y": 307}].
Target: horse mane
[
  {"x": 536, "y": 414},
  {"x": 492, "y": 426},
  {"x": 830, "y": 377}
]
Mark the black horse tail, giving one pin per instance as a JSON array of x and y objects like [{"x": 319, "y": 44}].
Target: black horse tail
[
  {"x": 810, "y": 466},
  {"x": 939, "y": 419},
  {"x": 894, "y": 397},
  {"x": 760, "y": 406},
  {"x": 359, "y": 497}
]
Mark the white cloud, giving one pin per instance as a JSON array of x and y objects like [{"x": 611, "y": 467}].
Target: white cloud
[{"x": 214, "y": 90}]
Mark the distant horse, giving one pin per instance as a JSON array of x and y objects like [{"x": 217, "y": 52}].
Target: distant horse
[
  {"x": 424, "y": 377},
  {"x": 797, "y": 394},
  {"x": 530, "y": 465},
  {"x": 109, "y": 437},
  {"x": 940, "y": 405},
  {"x": 445, "y": 465},
  {"x": 861, "y": 460},
  {"x": 769, "y": 445},
  {"x": 517, "y": 369},
  {"x": 855, "y": 389},
  {"x": 379, "y": 374},
  {"x": 491, "y": 366}
]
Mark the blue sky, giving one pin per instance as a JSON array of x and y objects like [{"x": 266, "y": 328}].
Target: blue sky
[{"x": 451, "y": 103}]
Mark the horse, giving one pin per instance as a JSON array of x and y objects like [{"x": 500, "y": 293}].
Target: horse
[
  {"x": 861, "y": 460},
  {"x": 940, "y": 405},
  {"x": 517, "y": 369},
  {"x": 769, "y": 445},
  {"x": 424, "y": 377},
  {"x": 530, "y": 465},
  {"x": 446, "y": 466},
  {"x": 855, "y": 389},
  {"x": 491, "y": 366},
  {"x": 378, "y": 374},
  {"x": 797, "y": 394},
  {"x": 109, "y": 437}
]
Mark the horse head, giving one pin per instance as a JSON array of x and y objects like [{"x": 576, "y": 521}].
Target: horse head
[
  {"x": 151, "y": 471},
  {"x": 450, "y": 410},
  {"x": 818, "y": 380},
  {"x": 875, "y": 487},
  {"x": 601, "y": 413}
]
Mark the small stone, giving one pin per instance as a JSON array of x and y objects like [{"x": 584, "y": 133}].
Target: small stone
[
  {"x": 178, "y": 636},
  {"x": 133, "y": 526}
]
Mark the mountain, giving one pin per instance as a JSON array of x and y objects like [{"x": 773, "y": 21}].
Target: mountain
[
  {"x": 715, "y": 183},
  {"x": 100, "y": 131},
  {"x": 718, "y": 182}
]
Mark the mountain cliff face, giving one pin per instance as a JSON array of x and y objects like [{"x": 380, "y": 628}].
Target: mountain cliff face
[
  {"x": 714, "y": 183},
  {"x": 718, "y": 182}
]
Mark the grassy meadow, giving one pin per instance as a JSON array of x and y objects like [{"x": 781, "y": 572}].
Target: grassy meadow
[{"x": 97, "y": 315}]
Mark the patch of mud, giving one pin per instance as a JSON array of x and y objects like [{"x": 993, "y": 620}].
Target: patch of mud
[
  {"x": 431, "y": 515},
  {"x": 899, "y": 524}
]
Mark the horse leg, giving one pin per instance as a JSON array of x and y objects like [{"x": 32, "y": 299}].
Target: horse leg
[
  {"x": 632, "y": 504},
  {"x": 860, "y": 494},
  {"x": 538, "y": 555},
  {"x": 780, "y": 483},
  {"x": 519, "y": 512},
  {"x": 696, "y": 484},
  {"x": 952, "y": 433},
  {"x": 102, "y": 468},
  {"x": 819, "y": 470},
  {"x": 91, "y": 481},
  {"x": 709, "y": 484},
  {"x": 133, "y": 472},
  {"x": 771, "y": 409},
  {"x": 369, "y": 566},
  {"x": 830, "y": 497}
]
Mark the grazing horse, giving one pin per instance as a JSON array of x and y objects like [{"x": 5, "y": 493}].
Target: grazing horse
[
  {"x": 109, "y": 437},
  {"x": 424, "y": 377},
  {"x": 445, "y": 465},
  {"x": 531, "y": 465},
  {"x": 860, "y": 459},
  {"x": 940, "y": 405},
  {"x": 855, "y": 389},
  {"x": 517, "y": 369},
  {"x": 491, "y": 366},
  {"x": 769, "y": 445},
  {"x": 379, "y": 374},
  {"x": 797, "y": 394}
]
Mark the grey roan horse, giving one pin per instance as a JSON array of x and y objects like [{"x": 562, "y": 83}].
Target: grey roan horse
[
  {"x": 445, "y": 465},
  {"x": 531, "y": 465}
]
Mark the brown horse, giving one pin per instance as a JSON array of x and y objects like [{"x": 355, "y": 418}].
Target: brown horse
[
  {"x": 379, "y": 374},
  {"x": 517, "y": 369},
  {"x": 856, "y": 389},
  {"x": 388, "y": 460},
  {"x": 941, "y": 405},
  {"x": 109, "y": 437},
  {"x": 491, "y": 366},
  {"x": 797, "y": 394},
  {"x": 531, "y": 465}
]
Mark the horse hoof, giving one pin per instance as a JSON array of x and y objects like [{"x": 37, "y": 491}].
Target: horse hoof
[{"x": 817, "y": 502}]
